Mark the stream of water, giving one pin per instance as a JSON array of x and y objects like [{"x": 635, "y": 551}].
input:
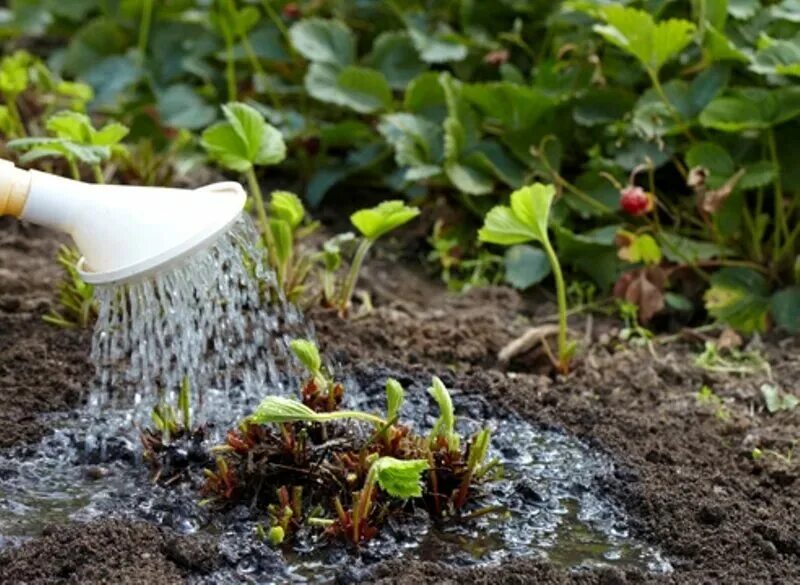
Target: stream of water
[{"x": 205, "y": 320}]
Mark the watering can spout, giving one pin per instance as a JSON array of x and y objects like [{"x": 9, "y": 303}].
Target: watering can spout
[{"x": 123, "y": 232}]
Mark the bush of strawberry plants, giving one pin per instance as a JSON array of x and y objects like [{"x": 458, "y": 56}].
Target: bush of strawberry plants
[{"x": 667, "y": 129}]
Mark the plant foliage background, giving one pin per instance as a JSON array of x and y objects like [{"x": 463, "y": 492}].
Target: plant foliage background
[{"x": 695, "y": 103}]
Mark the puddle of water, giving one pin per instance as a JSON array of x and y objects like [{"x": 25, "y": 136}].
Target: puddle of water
[{"x": 555, "y": 508}]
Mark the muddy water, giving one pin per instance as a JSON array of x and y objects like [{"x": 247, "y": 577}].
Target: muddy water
[{"x": 553, "y": 506}]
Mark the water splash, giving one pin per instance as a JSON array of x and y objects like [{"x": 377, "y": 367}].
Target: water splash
[{"x": 205, "y": 320}]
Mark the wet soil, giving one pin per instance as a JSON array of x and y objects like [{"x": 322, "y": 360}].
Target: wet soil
[{"x": 685, "y": 471}]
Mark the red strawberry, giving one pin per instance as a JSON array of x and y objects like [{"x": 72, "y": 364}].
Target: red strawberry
[
  {"x": 636, "y": 201},
  {"x": 291, "y": 11}
]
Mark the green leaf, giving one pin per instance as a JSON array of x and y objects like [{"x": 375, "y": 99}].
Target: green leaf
[
  {"x": 721, "y": 48},
  {"x": 493, "y": 158},
  {"x": 532, "y": 206},
  {"x": 42, "y": 147},
  {"x": 332, "y": 250},
  {"x": 180, "y": 106},
  {"x": 603, "y": 106},
  {"x": 366, "y": 89},
  {"x": 263, "y": 143},
  {"x": 712, "y": 157},
  {"x": 752, "y": 109},
  {"x": 71, "y": 126},
  {"x": 759, "y": 174},
  {"x": 780, "y": 57},
  {"x": 446, "y": 424},
  {"x": 685, "y": 250},
  {"x": 14, "y": 73},
  {"x": 91, "y": 44},
  {"x": 288, "y": 207},
  {"x": 438, "y": 45},
  {"x": 383, "y": 218},
  {"x": 592, "y": 253},
  {"x": 786, "y": 309},
  {"x": 425, "y": 96},
  {"x": 417, "y": 142},
  {"x": 738, "y": 297},
  {"x": 524, "y": 221},
  {"x": 109, "y": 135},
  {"x": 515, "y": 107},
  {"x": 479, "y": 448},
  {"x": 743, "y": 9},
  {"x": 399, "y": 478},
  {"x": 356, "y": 161},
  {"x": 469, "y": 179},
  {"x": 245, "y": 139},
  {"x": 395, "y": 395},
  {"x": 226, "y": 147},
  {"x": 642, "y": 248},
  {"x": 394, "y": 55},
  {"x": 359, "y": 88},
  {"x": 637, "y": 33},
  {"x": 525, "y": 266},
  {"x": 502, "y": 227},
  {"x": 307, "y": 352},
  {"x": 776, "y": 400},
  {"x": 6, "y": 121},
  {"x": 282, "y": 238},
  {"x": 277, "y": 409},
  {"x": 324, "y": 41},
  {"x": 276, "y": 535}
]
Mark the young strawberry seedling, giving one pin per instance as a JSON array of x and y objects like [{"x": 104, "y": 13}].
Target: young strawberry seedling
[
  {"x": 308, "y": 463},
  {"x": 525, "y": 220},
  {"x": 172, "y": 445}
]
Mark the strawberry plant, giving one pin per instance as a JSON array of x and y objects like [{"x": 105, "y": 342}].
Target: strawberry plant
[
  {"x": 172, "y": 445},
  {"x": 674, "y": 123},
  {"x": 308, "y": 464},
  {"x": 525, "y": 220},
  {"x": 78, "y": 307}
]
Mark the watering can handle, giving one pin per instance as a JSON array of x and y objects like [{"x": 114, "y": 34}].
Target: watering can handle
[{"x": 15, "y": 184}]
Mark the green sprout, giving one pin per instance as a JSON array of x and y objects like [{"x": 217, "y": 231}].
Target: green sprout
[
  {"x": 395, "y": 396},
  {"x": 445, "y": 424},
  {"x": 372, "y": 224},
  {"x": 292, "y": 263},
  {"x": 526, "y": 220},
  {"x": 76, "y": 140},
  {"x": 276, "y": 535},
  {"x": 14, "y": 79},
  {"x": 165, "y": 418},
  {"x": 331, "y": 260},
  {"x": 78, "y": 307},
  {"x": 398, "y": 478},
  {"x": 242, "y": 142}
]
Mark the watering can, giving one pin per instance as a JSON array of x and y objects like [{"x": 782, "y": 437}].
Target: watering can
[{"x": 123, "y": 232}]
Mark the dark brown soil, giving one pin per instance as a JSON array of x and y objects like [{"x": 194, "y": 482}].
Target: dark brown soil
[
  {"x": 686, "y": 472},
  {"x": 42, "y": 368},
  {"x": 108, "y": 552}
]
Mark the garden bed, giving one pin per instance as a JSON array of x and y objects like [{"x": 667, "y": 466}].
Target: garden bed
[{"x": 685, "y": 475}]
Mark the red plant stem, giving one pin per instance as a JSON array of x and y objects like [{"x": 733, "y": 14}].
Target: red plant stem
[
  {"x": 463, "y": 490},
  {"x": 435, "y": 489}
]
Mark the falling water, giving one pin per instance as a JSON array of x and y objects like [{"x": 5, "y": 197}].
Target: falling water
[{"x": 218, "y": 319}]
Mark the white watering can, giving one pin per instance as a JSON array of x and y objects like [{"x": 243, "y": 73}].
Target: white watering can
[{"x": 124, "y": 232}]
